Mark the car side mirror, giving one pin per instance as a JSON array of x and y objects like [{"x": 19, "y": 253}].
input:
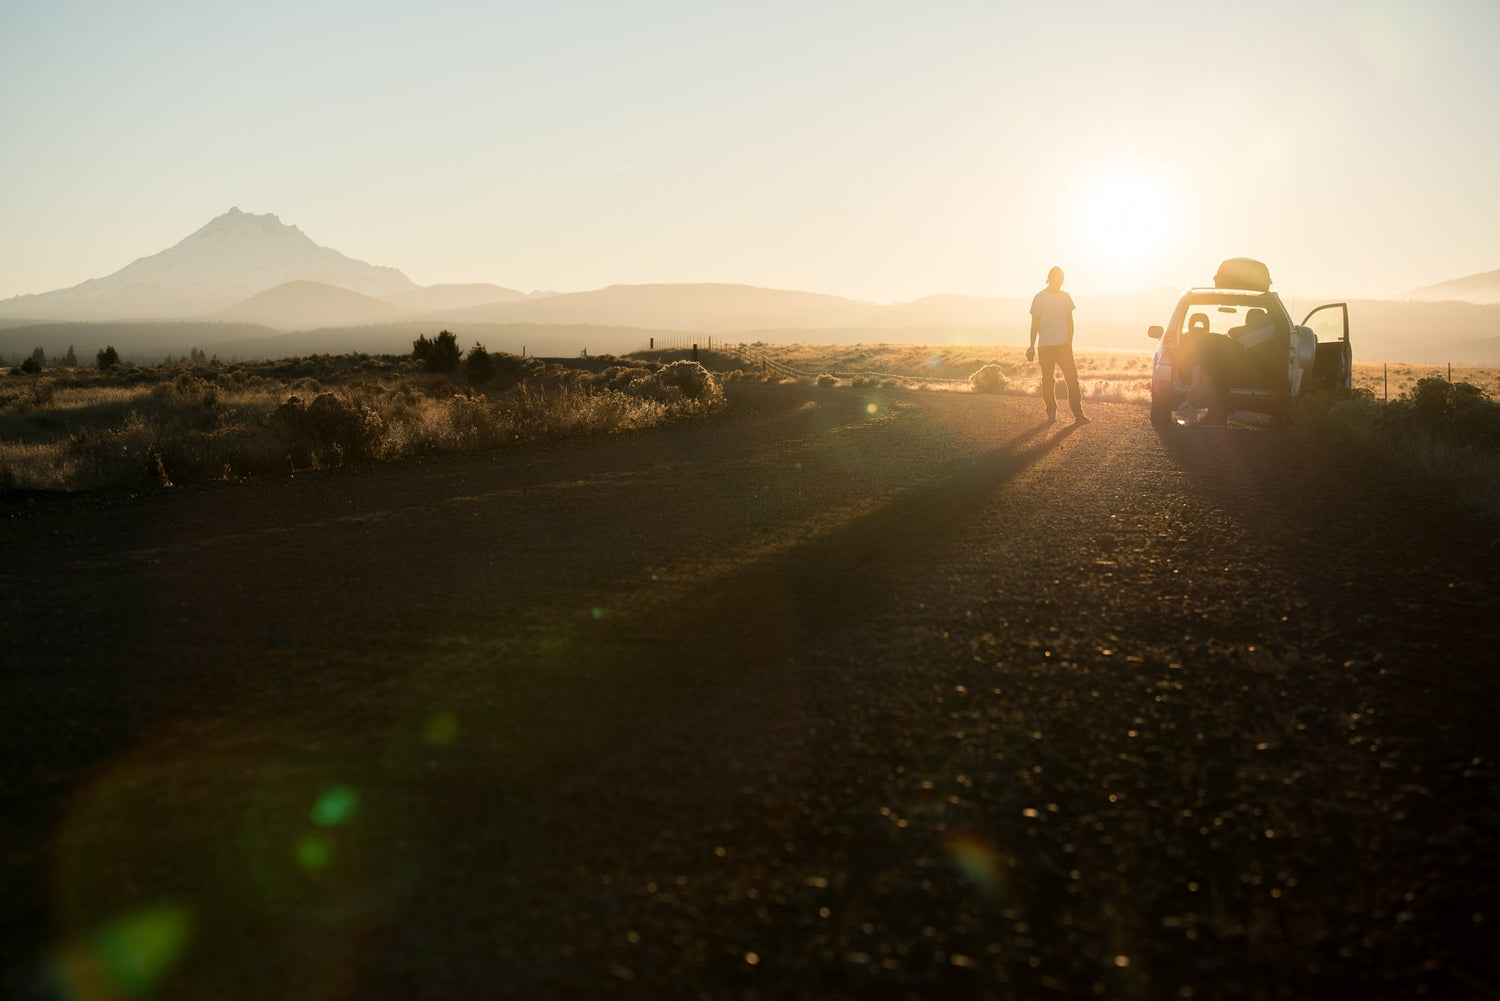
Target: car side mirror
[{"x": 1154, "y": 333}]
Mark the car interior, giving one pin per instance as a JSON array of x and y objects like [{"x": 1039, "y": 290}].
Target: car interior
[{"x": 1247, "y": 346}]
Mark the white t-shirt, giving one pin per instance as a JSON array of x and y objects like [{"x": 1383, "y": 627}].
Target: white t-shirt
[{"x": 1052, "y": 309}]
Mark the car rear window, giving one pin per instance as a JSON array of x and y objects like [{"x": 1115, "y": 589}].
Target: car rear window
[{"x": 1221, "y": 317}]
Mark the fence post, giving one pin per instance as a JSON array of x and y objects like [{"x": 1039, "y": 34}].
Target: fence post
[
  {"x": 1385, "y": 377},
  {"x": 695, "y": 351},
  {"x": 1450, "y": 371},
  {"x": 653, "y": 344}
]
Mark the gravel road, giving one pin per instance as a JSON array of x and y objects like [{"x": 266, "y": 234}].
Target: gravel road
[{"x": 840, "y": 693}]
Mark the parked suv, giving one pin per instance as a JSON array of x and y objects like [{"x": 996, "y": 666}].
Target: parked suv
[{"x": 1238, "y": 342}]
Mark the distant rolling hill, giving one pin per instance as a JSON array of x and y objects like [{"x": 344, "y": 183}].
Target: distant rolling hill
[
  {"x": 553, "y": 340},
  {"x": 1463, "y": 333},
  {"x": 1430, "y": 333},
  {"x": 252, "y": 274},
  {"x": 447, "y": 298},
  {"x": 301, "y": 305},
  {"x": 707, "y": 308},
  {"x": 1482, "y": 288}
]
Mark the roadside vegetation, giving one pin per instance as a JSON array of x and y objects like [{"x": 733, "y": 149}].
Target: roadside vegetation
[
  {"x": 119, "y": 426},
  {"x": 1119, "y": 376},
  {"x": 1448, "y": 432},
  {"x": 1411, "y": 420},
  {"x": 68, "y": 426}
]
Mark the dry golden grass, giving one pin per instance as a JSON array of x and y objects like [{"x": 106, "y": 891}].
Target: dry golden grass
[
  {"x": 1395, "y": 378},
  {"x": 78, "y": 429},
  {"x": 1104, "y": 375},
  {"x": 83, "y": 429},
  {"x": 1460, "y": 453}
]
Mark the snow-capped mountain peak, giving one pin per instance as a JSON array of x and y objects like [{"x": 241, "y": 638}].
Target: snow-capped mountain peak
[
  {"x": 246, "y": 253},
  {"x": 234, "y": 256}
]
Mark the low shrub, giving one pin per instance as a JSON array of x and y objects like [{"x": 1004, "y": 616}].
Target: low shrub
[
  {"x": 989, "y": 379},
  {"x": 42, "y": 393},
  {"x": 511, "y": 370},
  {"x": 1456, "y": 412},
  {"x": 685, "y": 380},
  {"x": 624, "y": 377},
  {"x": 127, "y": 455},
  {"x": 200, "y": 392},
  {"x": 1448, "y": 432},
  {"x": 128, "y": 427},
  {"x": 329, "y": 428}
]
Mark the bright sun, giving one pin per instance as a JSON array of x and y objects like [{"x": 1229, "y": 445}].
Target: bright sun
[{"x": 1125, "y": 218}]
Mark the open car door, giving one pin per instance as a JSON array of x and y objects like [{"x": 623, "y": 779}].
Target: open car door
[{"x": 1333, "y": 365}]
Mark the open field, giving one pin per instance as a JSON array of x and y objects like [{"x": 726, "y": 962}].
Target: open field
[
  {"x": 835, "y": 693},
  {"x": 79, "y": 428},
  {"x": 1104, "y": 375},
  {"x": 1406, "y": 419},
  {"x": 1391, "y": 380}
]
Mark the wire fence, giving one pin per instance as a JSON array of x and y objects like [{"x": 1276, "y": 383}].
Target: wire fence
[{"x": 686, "y": 342}]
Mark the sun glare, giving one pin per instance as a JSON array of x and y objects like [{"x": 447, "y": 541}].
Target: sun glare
[{"x": 1123, "y": 219}]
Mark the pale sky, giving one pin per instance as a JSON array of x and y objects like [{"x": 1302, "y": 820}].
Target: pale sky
[{"x": 877, "y": 150}]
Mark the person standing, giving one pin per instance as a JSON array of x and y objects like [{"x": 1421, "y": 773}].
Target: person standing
[{"x": 1052, "y": 345}]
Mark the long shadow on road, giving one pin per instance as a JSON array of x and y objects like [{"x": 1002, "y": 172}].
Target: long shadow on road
[
  {"x": 602, "y": 684},
  {"x": 235, "y": 793},
  {"x": 564, "y": 694},
  {"x": 844, "y": 575}
]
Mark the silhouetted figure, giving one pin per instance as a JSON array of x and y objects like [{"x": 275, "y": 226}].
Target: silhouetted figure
[
  {"x": 1226, "y": 360},
  {"x": 1218, "y": 358},
  {"x": 1256, "y": 330},
  {"x": 1259, "y": 338},
  {"x": 1052, "y": 345},
  {"x": 1204, "y": 357}
]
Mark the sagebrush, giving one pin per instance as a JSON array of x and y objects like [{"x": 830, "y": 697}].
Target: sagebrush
[{"x": 132, "y": 427}]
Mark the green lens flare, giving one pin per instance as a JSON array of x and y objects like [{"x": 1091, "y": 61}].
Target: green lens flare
[
  {"x": 335, "y": 806},
  {"x": 441, "y": 729},
  {"x": 127, "y": 958},
  {"x": 977, "y": 860},
  {"x": 314, "y": 853}
]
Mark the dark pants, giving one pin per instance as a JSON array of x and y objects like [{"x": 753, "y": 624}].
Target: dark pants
[
  {"x": 1221, "y": 360},
  {"x": 1059, "y": 356}
]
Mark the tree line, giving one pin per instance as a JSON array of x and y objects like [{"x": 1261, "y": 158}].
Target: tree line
[{"x": 105, "y": 358}]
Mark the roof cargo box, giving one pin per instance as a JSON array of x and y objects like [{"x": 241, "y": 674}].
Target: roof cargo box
[{"x": 1243, "y": 272}]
